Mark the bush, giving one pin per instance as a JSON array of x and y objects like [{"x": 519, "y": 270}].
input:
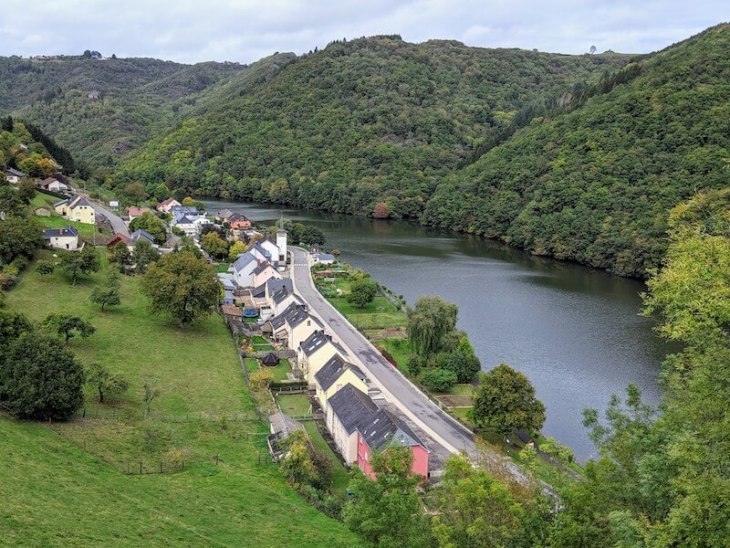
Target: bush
[{"x": 439, "y": 380}]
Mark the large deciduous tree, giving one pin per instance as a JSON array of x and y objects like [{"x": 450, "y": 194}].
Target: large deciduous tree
[
  {"x": 362, "y": 292},
  {"x": 182, "y": 285},
  {"x": 40, "y": 379},
  {"x": 428, "y": 323},
  {"x": 79, "y": 263},
  {"x": 144, "y": 254},
  {"x": 505, "y": 401}
]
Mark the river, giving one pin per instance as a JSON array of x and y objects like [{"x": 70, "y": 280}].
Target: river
[{"x": 575, "y": 332}]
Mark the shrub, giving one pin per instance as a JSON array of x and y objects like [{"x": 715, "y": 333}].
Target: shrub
[{"x": 439, "y": 380}]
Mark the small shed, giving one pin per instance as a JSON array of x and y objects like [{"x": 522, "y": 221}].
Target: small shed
[
  {"x": 42, "y": 212},
  {"x": 231, "y": 310},
  {"x": 270, "y": 360}
]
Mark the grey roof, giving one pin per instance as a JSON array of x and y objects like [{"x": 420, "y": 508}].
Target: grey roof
[
  {"x": 225, "y": 213},
  {"x": 259, "y": 292},
  {"x": 314, "y": 342},
  {"x": 326, "y": 257},
  {"x": 13, "y": 171},
  {"x": 78, "y": 201},
  {"x": 243, "y": 261},
  {"x": 258, "y": 247},
  {"x": 185, "y": 210},
  {"x": 275, "y": 284},
  {"x": 227, "y": 281},
  {"x": 384, "y": 429},
  {"x": 60, "y": 202},
  {"x": 235, "y": 216},
  {"x": 141, "y": 233},
  {"x": 300, "y": 315},
  {"x": 260, "y": 268},
  {"x": 283, "y": 423},
  {"x": 281, "y": 295},
  {"x": 280, "y": 319},
  {"x": 352, "y": 407},
  {"x": 182, "y": 220},
  {"x": 69, "y": 231},
  {"x": 333, "y": 370}
]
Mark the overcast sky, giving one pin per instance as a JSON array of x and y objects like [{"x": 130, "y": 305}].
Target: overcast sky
[{"x": 246, "y": 30}]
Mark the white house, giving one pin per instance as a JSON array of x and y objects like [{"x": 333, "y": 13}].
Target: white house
[
  {"x": 263, "y": 273},
  {"x": 62, "y": 238},
  {"x": 243, "y": 269},
  {"x": 315, "y": 351},
  {"x": 336, "y": 374},
  {"x": 13, "y": 175},
  {"x": 166, "y": 205},
  {"x": 186, "y": 224},
  {"x": 56, "y": 183},
  {"x": 347, "y": 410},
  {"x": 283, "y": 298},
  {"x": 271, "y": 249}
]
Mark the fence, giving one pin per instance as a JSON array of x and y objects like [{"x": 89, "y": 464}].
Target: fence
[{"x": 95, "y": 413}]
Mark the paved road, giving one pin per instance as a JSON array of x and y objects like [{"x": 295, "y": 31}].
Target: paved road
[
  {"x": 114, "y": 219},
  {"x": 397, "y": 389}
]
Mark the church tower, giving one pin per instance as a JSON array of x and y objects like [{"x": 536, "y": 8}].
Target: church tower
[{"x": 281, "y": 238}]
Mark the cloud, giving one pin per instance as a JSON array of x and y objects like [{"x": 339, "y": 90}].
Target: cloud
[{"x": 246, "y": 30}]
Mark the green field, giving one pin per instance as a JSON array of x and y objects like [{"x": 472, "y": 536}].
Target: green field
[
  {"x": 340, "y": 476},
  {"x": 67, "y": 484},
  {"x": 57, "y": 221}
]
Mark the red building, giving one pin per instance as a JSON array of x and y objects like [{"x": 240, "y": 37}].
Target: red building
[{"x": 383, "y": 431}]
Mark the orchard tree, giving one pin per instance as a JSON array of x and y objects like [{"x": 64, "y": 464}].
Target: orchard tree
[
  {"x": 40, "y": 379},
  {"x": 182, "y": 285},
  {"x": 68, "y": 326},
  {"x": 108, "y": 295},
  {"x": 362, "y": 292},
  {"x": 105, "y": 382},
  {"x": 505, "y": 401},
  {"x": 144, "y": 254},
  {"x": 78, "y": 263},
  {"x": 45, "y": 268},
  {"x": 119, "y": 255}
]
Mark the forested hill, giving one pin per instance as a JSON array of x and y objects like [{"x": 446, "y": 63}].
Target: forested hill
[
  {"x": 101, "y": 108},
  {"x": 360, "y": 122},
  {"x": 594, "y": 185}
]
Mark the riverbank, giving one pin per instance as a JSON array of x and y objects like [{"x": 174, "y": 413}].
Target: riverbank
[{"x": 575, "y": 332}]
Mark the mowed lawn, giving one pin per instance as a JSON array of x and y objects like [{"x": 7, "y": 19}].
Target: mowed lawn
[{"x": 65, "y": 484}]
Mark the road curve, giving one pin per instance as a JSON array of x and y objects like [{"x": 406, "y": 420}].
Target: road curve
[
  {"x": 397, "y": 389},
  {"x": 114, "y": 219}
]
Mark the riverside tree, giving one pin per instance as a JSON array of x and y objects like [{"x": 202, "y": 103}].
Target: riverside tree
[
  {"x": 182, "y": 285},
  {"x": 505, "y": 401},
  {"x": 39, "y": 378},
  {"x": 362, "y": 292}
]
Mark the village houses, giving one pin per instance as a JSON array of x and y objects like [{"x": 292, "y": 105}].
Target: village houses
[
  {"x": 62, "y": 238},
  {"x": 76, "y": 209}
]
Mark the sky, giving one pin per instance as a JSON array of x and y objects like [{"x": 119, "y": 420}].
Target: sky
[{"x": 190, "y": 31}]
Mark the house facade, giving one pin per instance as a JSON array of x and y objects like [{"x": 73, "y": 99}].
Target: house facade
[
  {"x": 166, "y": 205},
  {"x": 62, "y": 238},
  {"x": 315, "y": 351},
  {"x": 243, "y": 269},
  {"x": 76, "y": 209},
  {"x": 56, "y": 183},
  {"x": 335, "y": 375},
  {"x": 14, "y": 176},
  {"x": 347, "y": 409}
]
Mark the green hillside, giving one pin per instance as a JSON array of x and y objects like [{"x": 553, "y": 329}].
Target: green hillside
[
  {"x": 101, "y": 109},
  {"x": 69, "y": 484},
  {"x": 594, "y": 185},
  {"x": 374, "y": 119}
]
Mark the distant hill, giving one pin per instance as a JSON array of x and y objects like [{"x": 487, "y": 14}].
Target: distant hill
[
  {"x": 101, "y": 109},
  {"x": 595, "y": 184},
  {"x": 359, "y": 122}
]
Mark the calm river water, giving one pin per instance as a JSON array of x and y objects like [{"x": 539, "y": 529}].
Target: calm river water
[{"x": 575, "y": 332}]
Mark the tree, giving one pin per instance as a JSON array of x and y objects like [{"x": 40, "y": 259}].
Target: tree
[
  {"x": 188, "y": 201},
  {"x": 152, "y": 224},
  {"x": 40, "y": 379},
  {"x": 362, "y": 292},
  {"x": 438, "y": 380},
  {"x": 429, "y": 323},
  {"x": 12, "y": 325},
  {"x": 68, "y": 326},
  {"x": 461, "y": 360},
  {"x": 78, "y": 263},
  {"x": 26, "y": 191},
  {"x": 143, "y": 255},
  {"x": 150, "y": 393},
  {"x": 45, "y": 268},
  {"x": 19, "y": 237},
  {"x": 160, "y": 191},
  {"x": 106, "y": 296},
  {"x": 104, "y": 381},
  {"x": 235, "y": 250},
  {"x": 473, "y": 509},
  {"x": 505, "y": 401},
  {"x": 135, "y": 192},
  {"x": 387, "y": 511},
  {"x": 182, "y": 285},
  {"x": 592, "y": 50},
  {"x": 119, "y": 255},
  {"x": 381, "y": 210},
  {"x": 312, "y": 235},
  {"x": 214, "y": 245}
]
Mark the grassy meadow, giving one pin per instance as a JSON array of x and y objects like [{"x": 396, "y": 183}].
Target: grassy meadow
[{"x": 78, "y": 483}]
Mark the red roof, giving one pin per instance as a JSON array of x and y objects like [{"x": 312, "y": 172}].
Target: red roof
[
  {"x": 138, "y": 211},
  {"x": 116, "y": 238}
]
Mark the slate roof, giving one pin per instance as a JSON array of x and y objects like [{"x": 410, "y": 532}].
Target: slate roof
[
  {"x": 224, "y": 213},
  {"x": 352, "y": 407},
  {"x": 181, "y": 219},
  {"x": 78, "y": 201},
  {"x": 67, "y": 232},
  {"x": 314, "y": 342},
  {"x": 280, "y": 295},
  {"x": 185, "y": 210},
  {"x": 283, "y": 423},
  {"x": 260, "y": 268},
  {"x": 13, "y": 171},
  {"x": 299, "y": 316},
  {"x": 227, "y": 281},
  {"x": 280, "y": 319},
  {"x": 258, "y": 247},
  {"x": 259, "y": 292},
  {"x": 325, "y": 257},
  {"x": 243, "y": 261},
  {"x": 383, "y": 429},
  {"x": 141, "y": 233},
  {"x": 333, "y": 370},
  {"x": 275, "y": 284}
]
